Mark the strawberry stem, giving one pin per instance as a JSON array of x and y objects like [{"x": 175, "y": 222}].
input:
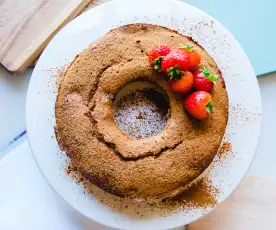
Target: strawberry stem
[
  {"x": 206, "y": 73},
  {"x": 174, "y": 73},
  {"x": 188, "y": 48},
  {"x": 157, "y": 63},
  {"x": 209, "y": 107}
]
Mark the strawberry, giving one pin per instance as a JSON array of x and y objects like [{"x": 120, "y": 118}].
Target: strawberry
[
  {"x": 156, "y": 55},
  {"x": 204, "y": 80},
  {"x": 182, "y": 85},
  {"x": 175, "y": 63},
  {"x": 199, "y": 104},
  {"x": 194, "y": 56}
]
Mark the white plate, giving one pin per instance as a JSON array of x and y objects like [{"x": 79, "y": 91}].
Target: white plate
[{"x": 244, "y": 100}]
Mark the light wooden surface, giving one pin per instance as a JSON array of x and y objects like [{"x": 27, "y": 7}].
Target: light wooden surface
[
  {"x": 26, "y": 27},
  {"x": 251, "y": 207}
]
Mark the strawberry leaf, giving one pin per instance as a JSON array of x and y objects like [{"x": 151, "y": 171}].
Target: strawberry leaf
[
  {"x": 209, "y": 107},
  {"x": 188, "y": 48},
  {"x": 206, "y": 73},
  {"x": 157, "y": 63},
  {"x": 174, "y": 73}
]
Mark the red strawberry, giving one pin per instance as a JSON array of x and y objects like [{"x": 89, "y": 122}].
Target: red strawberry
[
  {"x": 204, "y": 80},
  {"x": 199, "y": 104},
  {"x": 156, "y": 55},
  {"x": 194, "y": 56},
  {"x": 175, "y": 63},
  {"x": 182, "y": 85}
]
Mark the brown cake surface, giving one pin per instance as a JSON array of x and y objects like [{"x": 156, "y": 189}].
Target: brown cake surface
[{"x": 155, "y": 166}]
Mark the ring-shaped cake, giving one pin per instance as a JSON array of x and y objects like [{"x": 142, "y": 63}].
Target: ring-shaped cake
[{"x": 153, "y": 167}]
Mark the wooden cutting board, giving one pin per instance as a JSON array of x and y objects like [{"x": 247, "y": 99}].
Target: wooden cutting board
[
  {"x": 26, "y": 27},
  {"x": 251, "y": 207}
]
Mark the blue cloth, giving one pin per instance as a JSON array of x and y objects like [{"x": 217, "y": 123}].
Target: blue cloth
[{"x": 253, "y": 24}]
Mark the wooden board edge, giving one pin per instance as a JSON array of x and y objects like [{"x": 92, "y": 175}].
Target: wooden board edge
[{"x": 20, "y": 66}]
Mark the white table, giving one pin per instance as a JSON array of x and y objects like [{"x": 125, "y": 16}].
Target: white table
[
  {"x": 19, "y": 201},
  {"x": 13, "y": 89}
]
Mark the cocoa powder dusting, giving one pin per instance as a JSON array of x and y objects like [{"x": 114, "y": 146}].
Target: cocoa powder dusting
[
  {"x": 60, "y": 74},
  {"x": 226, "y": 147},
  {"x": 141, "y": 113},
  {"x": 199, "y": 196},
  {"x": 57, "y": 73}
]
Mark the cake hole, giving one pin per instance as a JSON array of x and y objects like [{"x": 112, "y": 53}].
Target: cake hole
[{"x": 141, "y": 109}]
